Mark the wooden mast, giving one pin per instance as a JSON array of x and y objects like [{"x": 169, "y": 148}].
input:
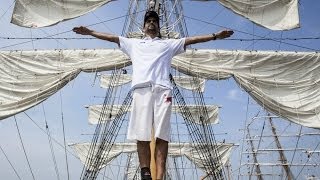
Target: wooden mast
[
  {"x": 153, "y": 5},
  {"x": 255, "y": 159},
  {"x": 283, "y": 158}
]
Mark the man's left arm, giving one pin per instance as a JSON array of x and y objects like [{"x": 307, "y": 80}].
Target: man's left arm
[{"x": 204, "y": 38}]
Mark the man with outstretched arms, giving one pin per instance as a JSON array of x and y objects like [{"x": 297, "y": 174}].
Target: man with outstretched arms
[{"x": 152, "y": 97}]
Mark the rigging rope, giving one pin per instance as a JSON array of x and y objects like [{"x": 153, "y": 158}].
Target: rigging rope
[
  {"x": 98, "y": 152},
  {"x": 64, "y": 137},
  {"x": 262, "y": 38},
  {"x": 44, "y": 131},
  {"x": 306, "y": 161},
  {"x": 296, "y": 146},
  {"x": 16, "y": 44},
  {"x": 259, "y": 36},
  {"x": 24, "y": 150},
  {"x": 5, "y": 12},
  {"x": 50, "y": 144},
  {"x": 205, "y": 146},
  {"x": 260, "y": 139},
  {"x": 10, "y": 162},
  {"x": 175, "y": 159},
  {"x": 244, "y": 135},
  {"x": 103, "y": 115},
  {"x": 203, "y": 114}
]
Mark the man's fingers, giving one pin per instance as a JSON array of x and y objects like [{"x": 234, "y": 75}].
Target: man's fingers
[
  {"x": 230, "y": 32},
  {"x": 227, "y": 33},
  {"x": 76, "y": 29},
  {"x": 80, "y": 30}
]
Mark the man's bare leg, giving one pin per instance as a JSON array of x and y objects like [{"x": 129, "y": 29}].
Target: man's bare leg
[
  {"x": 161, "y": 153},
  {"x": 143, "y": 148}
]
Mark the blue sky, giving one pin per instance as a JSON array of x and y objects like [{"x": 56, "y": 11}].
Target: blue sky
[{"x": 84, "y": 90}]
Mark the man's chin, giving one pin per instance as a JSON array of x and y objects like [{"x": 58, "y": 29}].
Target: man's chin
[{"x": 152, "y": 31}]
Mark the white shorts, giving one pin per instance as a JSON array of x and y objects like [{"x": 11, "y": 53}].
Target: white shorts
[{"x": 151, "y": 107}]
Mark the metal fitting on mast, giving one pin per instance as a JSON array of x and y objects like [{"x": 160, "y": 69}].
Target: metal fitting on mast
[{"x": 153, "y": 5}]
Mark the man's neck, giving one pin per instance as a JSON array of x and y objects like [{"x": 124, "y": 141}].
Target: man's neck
[{"x": 152, "y": 35}]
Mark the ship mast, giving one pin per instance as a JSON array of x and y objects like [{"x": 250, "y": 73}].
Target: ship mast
[
  {"x": 170, "y": 13},
  {"x": 283, "y": 158},
  {"x": 255, "y": 159},
  {"x": 133, "y": 28}
]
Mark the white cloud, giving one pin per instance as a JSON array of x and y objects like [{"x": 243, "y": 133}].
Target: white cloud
[{"x": 234, "y": 94}]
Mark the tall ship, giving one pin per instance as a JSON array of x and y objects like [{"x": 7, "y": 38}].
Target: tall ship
[{"x": 243, "y": 108}]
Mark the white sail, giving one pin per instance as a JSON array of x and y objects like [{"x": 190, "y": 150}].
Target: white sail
[
  {"x": 164, "y": 34},
  {"x": 133, "y": 166},
  {"x": 185, "y": 82},
  {"x": 275, "y": 14},
  {"x": 122, "y": 80},
  {"x": 284, "y": 83},
  {"x": 94, "y": 113},
  {"x": 190, "y": 83},
  {"x": 40, "y": 13},
  {"x": 112, "y": 110},
  {"x": 175, "y": 150},
  {"x": 29, "y": 77},
  {"x": 82, "y": 150}
]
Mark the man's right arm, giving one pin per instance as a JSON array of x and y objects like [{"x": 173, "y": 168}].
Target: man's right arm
[{"x": 104, "y": 36}]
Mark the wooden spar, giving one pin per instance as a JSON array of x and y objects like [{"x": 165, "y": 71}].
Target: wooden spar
[
  {"x": 153, "y": 5},
  {"x": 279, "y": 164},
  {"x": 127, "y": 166},
  {"x": 281, "y": 153},
  {"x": 257, "y": 166},
  {"x": 280, "y": 149},
  {"x": 292, "y": 135},
  {"x": 229, "y": 170},
  {"x": 153, "y": 166}
]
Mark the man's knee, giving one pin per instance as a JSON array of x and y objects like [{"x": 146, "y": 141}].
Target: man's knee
[
  {"x": 161, "y": 142},
  {"x": 143, "y": 142}
]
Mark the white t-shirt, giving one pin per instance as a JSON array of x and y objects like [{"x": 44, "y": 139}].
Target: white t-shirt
[{"x": 151, "y": 58}]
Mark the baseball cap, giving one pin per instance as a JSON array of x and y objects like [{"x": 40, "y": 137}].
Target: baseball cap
[{"x": 150, "y": 14}]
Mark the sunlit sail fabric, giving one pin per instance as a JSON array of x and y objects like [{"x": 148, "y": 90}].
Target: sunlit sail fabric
[
  {"x": 112, "y": 110},
  {"x": 175, "y": 150},
  {"x": 40, "y": 13},
  {"x": 185, "y": 82},
  {"x": 29, "y": 77},
  {"x": 272, "y": 14},
  {"x": 133, "y": 166},
  {"x": 105, "y": 80},
  {"x": 284, "y": 83},
  {"x": 82, "y": 151},
  {"x": 188, "y": 83},
  {"x": 275, "y": 14}
]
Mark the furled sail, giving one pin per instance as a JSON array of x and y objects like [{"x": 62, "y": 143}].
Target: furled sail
[
  {"x": 175, "y": 150},
  {"x": 284, "y": 83},
  {"x": 40, "y": 13},
  {"x": 29, "y": 77},
  {"x": 189, "y": 83},
  {"x": 164, "y": 34},
  {"x": 272, "y": 14},
  {"x": 275, "y": 14},
  {"x": 133, "y": 166},
  {"x": 122, "y": 80},
  {"x": 112, "y": 111}
]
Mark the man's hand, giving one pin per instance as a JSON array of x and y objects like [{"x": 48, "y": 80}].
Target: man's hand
[
  {"x": 104, "y": 36},
  {"x": 204, "y": 38},
  {"x": 224, "y": 34},
  {"x": 82, "y": 30}
]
